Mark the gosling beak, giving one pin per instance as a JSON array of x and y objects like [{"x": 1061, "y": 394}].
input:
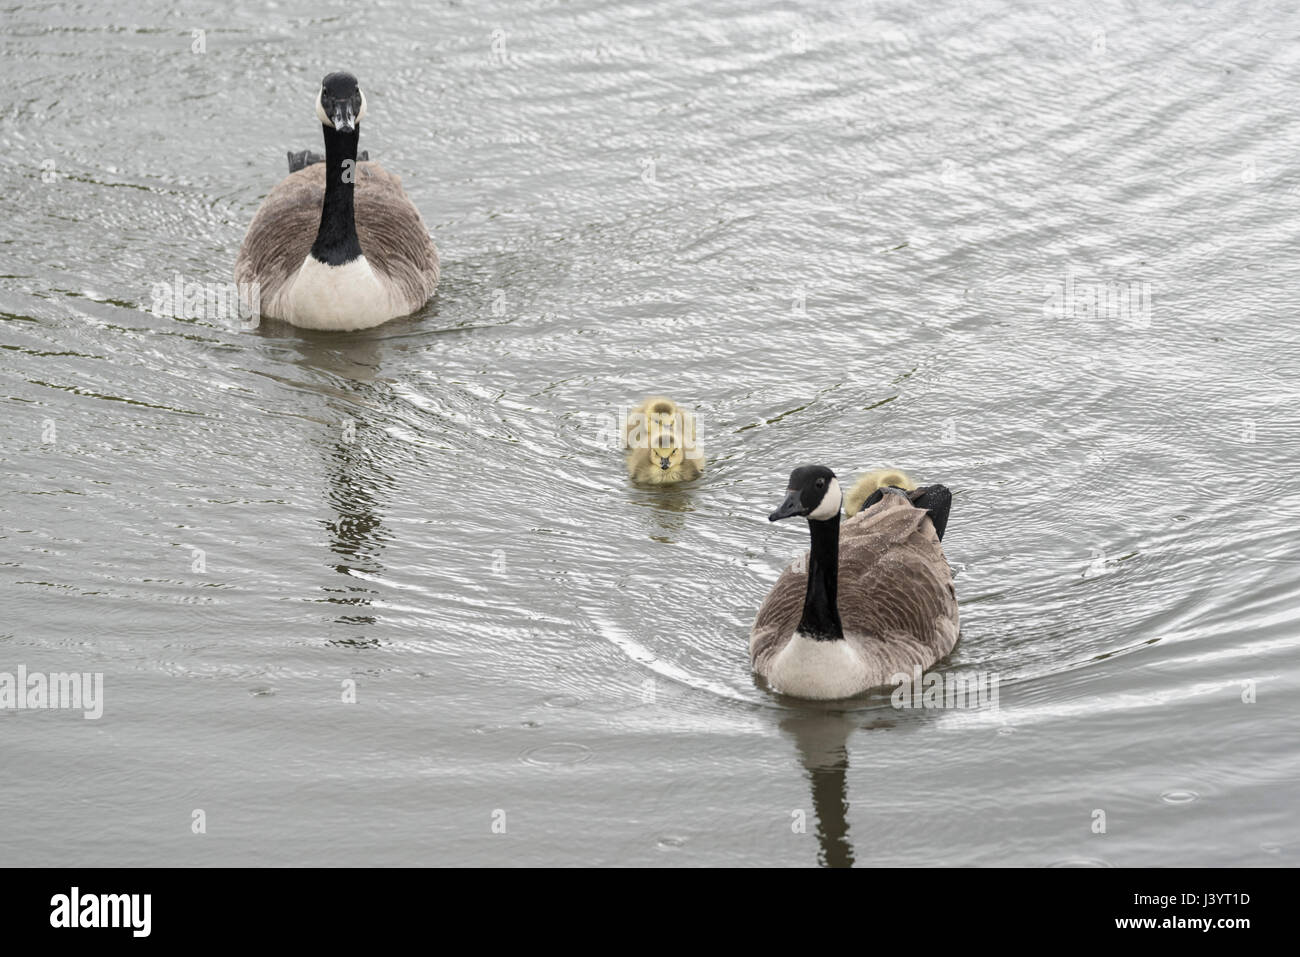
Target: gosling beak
[
  {"x": 663, "y": 464},
  {"x": 791, "y": 506}
]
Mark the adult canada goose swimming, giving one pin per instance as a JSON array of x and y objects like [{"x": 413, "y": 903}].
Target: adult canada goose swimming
[
  {"x": 662, "y": 442},
  {"x": 338, "y": 244},
  {"x": 897, "y": 607}
]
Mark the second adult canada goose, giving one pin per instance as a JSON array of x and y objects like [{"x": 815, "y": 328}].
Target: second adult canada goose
[
  {"x": 338, "y": 244},
  {"x": 873, "y": 599}
]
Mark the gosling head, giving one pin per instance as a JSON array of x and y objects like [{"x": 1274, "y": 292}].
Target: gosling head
[
  {"x": 813, "y": 492},
  {"x": 666, "y": 459},
  {"x": 666, "y": 451},
  {"x": 340, "y": 104}
]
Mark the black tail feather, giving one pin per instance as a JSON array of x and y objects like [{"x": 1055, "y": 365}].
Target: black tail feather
[{"x": 937, "y": 500}]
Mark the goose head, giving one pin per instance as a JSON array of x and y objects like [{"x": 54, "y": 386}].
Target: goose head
[
  {"x": 813, "y": 493},
  {"x": 340, "y": 104}
]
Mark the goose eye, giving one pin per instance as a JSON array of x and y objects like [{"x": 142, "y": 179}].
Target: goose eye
[{"x": 821, "y": 482}]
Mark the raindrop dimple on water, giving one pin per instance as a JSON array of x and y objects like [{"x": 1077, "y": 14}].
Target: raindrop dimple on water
[{"x": 553, "y": 755}]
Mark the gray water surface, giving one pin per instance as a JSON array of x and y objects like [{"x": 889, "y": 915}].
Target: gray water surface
[{"x": 1044, "y": 256}]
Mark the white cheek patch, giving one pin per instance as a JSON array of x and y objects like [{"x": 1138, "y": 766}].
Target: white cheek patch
[
  {"x": 830, "y": 503},
  {"x": 320, "y": 111},
  {"x": 362, "y": 112}
]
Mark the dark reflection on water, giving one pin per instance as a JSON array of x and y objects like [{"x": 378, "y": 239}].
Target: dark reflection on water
[
  {"x": 357, "y": 534},
  {"x": 822, "y": 740},
  {"x": 354, "y": 477}
]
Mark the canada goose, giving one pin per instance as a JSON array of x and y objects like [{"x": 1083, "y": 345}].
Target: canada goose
[
  {"x": 865, "y": 486},
  {"x": 662, "y": 442},
  {"x": 338, "y": 244},
  {"x": 897, "y": 609}
]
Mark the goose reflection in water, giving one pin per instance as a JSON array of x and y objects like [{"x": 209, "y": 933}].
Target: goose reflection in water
[
  {"x": 821, "y": 738},
  {"x": 354, "y": 479}
]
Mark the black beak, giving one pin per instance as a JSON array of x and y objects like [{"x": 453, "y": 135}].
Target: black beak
[
  {"x": 663, "y": 464},
  {"x": 791, "y": 506},
  {"x": 344, "y": 119}
]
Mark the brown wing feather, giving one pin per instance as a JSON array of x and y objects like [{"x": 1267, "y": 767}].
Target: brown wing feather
[
  {"x": 779, "y": 615},
  {"x": 896, "y": 596},
  {"x": 392, "y": 234},
  {"x": 281, "y": 235}
]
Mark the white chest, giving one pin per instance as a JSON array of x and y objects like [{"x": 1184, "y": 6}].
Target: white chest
[
  {"x": 808, "y": 668},
  {"x": 349, "y": 296}
]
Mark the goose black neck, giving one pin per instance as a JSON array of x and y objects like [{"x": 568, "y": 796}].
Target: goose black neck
[
  {"x": 336, "y": 239},
  {"x": 821, "y": 611}
]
